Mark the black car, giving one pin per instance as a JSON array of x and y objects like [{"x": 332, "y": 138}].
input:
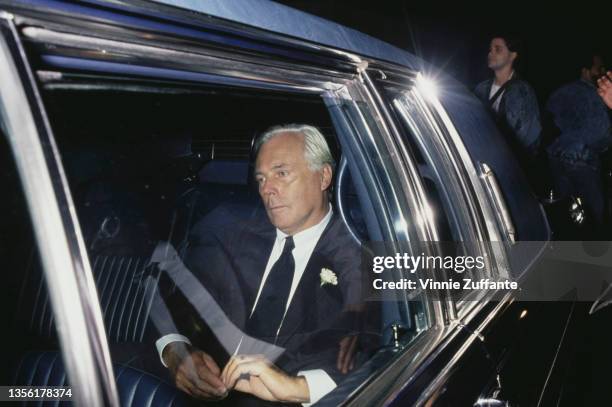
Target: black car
[{"x": 124, "y": 123}]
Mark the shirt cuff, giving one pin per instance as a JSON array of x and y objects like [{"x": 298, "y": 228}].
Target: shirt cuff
[
  {"x": 319, "y": 384},
  {"x": 165, "y": 340}
]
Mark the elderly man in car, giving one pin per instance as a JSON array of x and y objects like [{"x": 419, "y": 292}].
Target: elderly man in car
[{"x": 289, "y": 280}]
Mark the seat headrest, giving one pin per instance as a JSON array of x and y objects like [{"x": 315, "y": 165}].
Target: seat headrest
[{"x": 225, "y": 172}]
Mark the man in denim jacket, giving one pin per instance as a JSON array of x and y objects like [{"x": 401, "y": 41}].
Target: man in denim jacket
[
  {"x": 584, "y": 133},
  {"x": 512, "y": 100}
]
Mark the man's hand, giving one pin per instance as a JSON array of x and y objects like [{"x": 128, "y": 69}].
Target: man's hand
[
  {"x": 256, "y": 375},
  {"x": 194, "y": 371},
  {"x": 605, "y": 88},
  {"x": 346, "y": 354}
]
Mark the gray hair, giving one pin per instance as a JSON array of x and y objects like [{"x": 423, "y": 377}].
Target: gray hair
[{"x": 316, "y": 149}]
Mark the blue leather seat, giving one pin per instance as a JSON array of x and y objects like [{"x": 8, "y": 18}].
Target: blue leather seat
[
  {"x": 135, "y": 388},
  {"x": 120, "y": 246},
  {"x": 223, "y": 183},
  {"x": 124, "y": 297}
]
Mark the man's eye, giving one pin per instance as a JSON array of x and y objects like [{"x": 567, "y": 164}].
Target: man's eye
[{"x": 283, "y": 173}]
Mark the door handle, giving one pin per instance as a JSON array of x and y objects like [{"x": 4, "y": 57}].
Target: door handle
[{"x": 500, "y": 204}]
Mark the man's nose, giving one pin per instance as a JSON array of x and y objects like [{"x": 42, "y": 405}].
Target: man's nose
[{"x": 268, "y": 187}]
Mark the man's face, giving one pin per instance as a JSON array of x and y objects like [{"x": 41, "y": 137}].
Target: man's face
[
  {"x": 293, "y": 194},
  {"x": 597, "y": 70},
  {"x": 499, "y": 55}
]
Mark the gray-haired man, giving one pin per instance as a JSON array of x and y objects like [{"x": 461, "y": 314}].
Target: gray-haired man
[{"x": 292, "y": 281}]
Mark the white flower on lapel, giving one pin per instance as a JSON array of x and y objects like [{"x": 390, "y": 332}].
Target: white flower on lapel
[{"x": 328, "y": 277}]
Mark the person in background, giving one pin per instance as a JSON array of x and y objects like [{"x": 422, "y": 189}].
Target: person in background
[
  {"x": 583, "y": 125},
  {"x": 511, "y": 99}
]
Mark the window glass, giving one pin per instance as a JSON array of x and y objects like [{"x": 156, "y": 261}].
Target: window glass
[{"x": 178, "y": 215}]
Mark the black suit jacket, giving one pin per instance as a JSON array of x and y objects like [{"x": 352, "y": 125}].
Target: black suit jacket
[{"x": 229, "y": 256}]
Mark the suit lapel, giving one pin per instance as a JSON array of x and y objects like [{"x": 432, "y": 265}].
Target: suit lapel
[
  {"x": 252, "y": 264},
  {"x": 301, "y": 304}
]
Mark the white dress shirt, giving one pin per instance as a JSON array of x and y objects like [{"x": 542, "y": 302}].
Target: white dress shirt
[
  {"x": 319, "y": 382},
  {"x": 494, "y": 88}
]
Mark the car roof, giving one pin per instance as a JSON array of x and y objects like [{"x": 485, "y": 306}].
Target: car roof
[{"x": 281, "y": 19}]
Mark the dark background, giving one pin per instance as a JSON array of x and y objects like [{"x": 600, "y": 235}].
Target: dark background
[{"x": 457, "y": 40}]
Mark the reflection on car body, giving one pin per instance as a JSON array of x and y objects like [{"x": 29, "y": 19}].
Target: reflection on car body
[{"x": 124, "y": 124}]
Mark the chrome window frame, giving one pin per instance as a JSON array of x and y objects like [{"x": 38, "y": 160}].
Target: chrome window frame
[
  {"x": 466, "y": 215},
  {"x": 399, "y": 235},
  {"x": 484, "y": 222},
  {"x": 449, "y": 184},
  {"x": 427, "y": 233},
  {"x": 487, "y": 220},
  {"x": 409, "y": 196},
  {"x": 407, "y": 191}
]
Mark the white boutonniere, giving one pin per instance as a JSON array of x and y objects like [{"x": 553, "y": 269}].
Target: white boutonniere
[{"x": 328, "y": 277}]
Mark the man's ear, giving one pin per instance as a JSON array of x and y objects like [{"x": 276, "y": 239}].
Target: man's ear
[
  {"x": 326, "y": 176},
  {"x": 513, "y": 55}
]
